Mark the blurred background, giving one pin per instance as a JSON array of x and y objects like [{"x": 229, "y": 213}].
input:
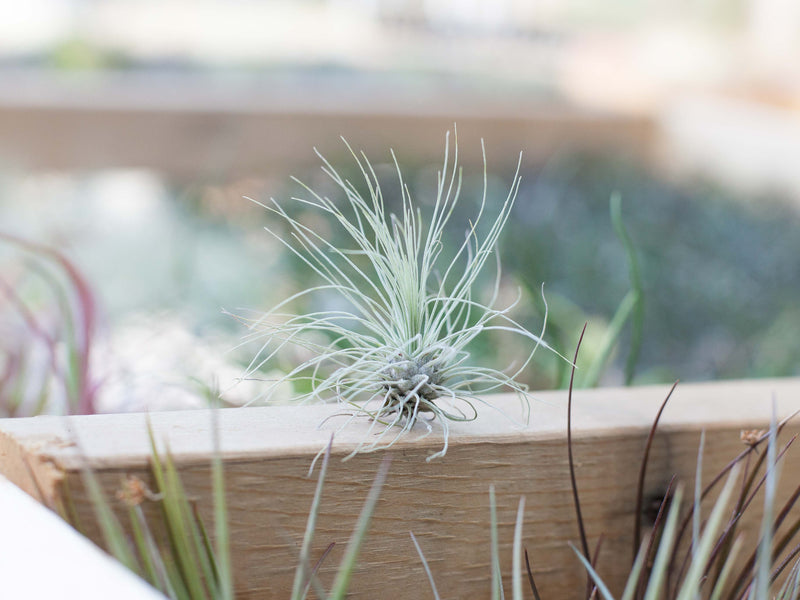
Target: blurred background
[{"x": 132, "y": 130}]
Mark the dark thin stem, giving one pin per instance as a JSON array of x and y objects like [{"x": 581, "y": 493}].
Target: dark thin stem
[
  {"x": 637, "y": 526},
  {"x": 788, "y": 536},
  {"x": 780, "y": 568},
  {"x": 707, "y": 490},
  {"x": 744, "y": 453},
  {"x": 727, "y": 534},
  {"x": 595, "y": 558},
  {"x": 313, "y": 573},
  {"x": 725, "y": 544},
  {"x": 530, "y": 577},
  {"x": 596, "y": 555},
  {"x": 576, "y": 499},
  {"x": 744, "y": 580},
  {"x": 651, "y": 543}
]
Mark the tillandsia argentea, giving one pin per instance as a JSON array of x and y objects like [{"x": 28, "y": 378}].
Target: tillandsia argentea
[{"x": 399, "y": 350}]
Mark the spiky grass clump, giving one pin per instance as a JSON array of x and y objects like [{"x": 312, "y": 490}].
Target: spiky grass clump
[{"x": 400, "y": 348}]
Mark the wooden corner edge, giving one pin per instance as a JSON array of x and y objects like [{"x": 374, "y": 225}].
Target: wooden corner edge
[{"x": 30, "y": 470}]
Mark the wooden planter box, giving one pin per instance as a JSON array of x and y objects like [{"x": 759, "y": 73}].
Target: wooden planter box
[
  {"x": 195, "y": 127},
  {"x": 267, "y": 452}
]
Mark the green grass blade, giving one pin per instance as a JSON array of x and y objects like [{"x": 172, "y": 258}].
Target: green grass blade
[
  {"x": 658, "y": 574},
  {"x": 637, "y": 319},
  {"x": 150, "y": 552},
  {"x": 727, "y": 569},
  {"x": 175, "y": 517},
  {"x": 222, "y": 552},
  {"x": 206, "y": 549},
  {"x": 301, "y": 573},
  {"x": 598, "y": 581},
  {"x": 348, "y": 564},
  {"x": 113, "y": 534},
  {"x": 698, "y": 491},
  {"x": 177, "y": 580},
  {"x": 497, "y": 582},
  {"x": 761, "y": 583},
  {"x": 198, "y": 559},
  {"x": 613, "y": 333},
  {"x": 690, "y": 587},
  {"x": 140, "y": 542},
  {"x": 633, "y": 578}
]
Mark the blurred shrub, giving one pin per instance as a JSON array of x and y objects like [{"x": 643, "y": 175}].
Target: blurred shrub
[{"x": 719, "y": 273}]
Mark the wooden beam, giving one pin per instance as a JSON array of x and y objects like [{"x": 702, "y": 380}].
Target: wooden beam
[
  {"x": 199, "y": 128},
  {"x": 267, "y": 452}
]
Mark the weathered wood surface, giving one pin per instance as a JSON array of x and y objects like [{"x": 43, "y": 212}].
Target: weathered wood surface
[
  {"x": 202, "y": 128},
  {"x": 267, "y": 452}
]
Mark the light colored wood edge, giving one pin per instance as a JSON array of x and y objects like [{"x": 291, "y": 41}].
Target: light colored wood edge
[
  {"x": 43, "y": 557},
  {"x": 30, "y": 470},
  {"x": 121, "y": 440},
  {"x": 335, "y": 95}
]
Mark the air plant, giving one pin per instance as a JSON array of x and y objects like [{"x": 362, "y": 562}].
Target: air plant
[{"x": 399, "y": 348}]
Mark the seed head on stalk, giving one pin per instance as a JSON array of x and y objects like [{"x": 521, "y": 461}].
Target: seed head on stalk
[{"x": 398, "y": 350}]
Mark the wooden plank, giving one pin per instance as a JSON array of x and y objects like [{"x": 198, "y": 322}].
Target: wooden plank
[
  {"x": 201, "y": 128},
  {"x": 41, "y": 556},
  {"x": 267, "y": 452}
]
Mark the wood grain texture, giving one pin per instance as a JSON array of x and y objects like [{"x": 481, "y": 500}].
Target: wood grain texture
[{"x": 268, "y": 450}]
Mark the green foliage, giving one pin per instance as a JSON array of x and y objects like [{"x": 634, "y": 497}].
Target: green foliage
[
  {"x": 184, "y": 567},
  {"x": 630, "y": 309},
  {"x": 187, "y": 565},
  {"x": 717, "y": 270}
]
